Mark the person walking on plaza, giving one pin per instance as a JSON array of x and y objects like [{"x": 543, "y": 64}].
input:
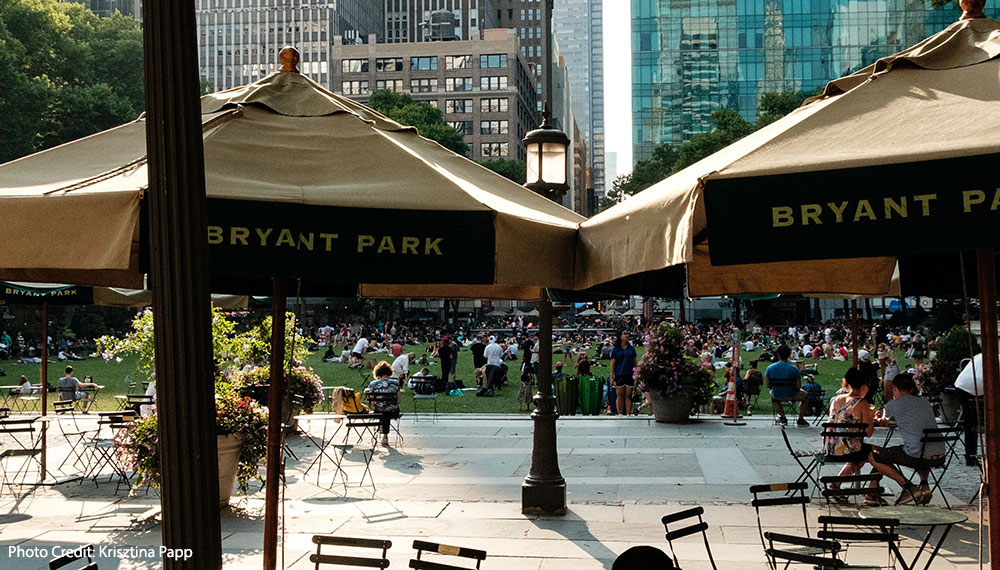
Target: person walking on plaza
[
  {"x": 623, "y": 357},
  {"x": 912, "y": 415},
  {"x": 785, "y": 383}
]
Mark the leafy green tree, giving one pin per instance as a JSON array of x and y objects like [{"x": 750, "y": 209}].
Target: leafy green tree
[
  {"x": 429, "y": 121},
  {"x": 514, "y": 170},
  {"x": 66, "y": 73},
  {"x": 730, "y": 127}
]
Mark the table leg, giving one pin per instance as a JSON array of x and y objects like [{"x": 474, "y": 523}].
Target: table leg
[{"x": 937, "y": 547}]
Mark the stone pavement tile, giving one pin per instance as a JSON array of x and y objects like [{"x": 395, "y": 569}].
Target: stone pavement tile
[
  {"x": 598, "y": 493},
  {"x": 672, "y": 465},
  {"x": 725, "y": 466},
  {"x": 572, "y": 564},
  {"x": 592, "y": 530},
  {"x": 594, "y": 513}
]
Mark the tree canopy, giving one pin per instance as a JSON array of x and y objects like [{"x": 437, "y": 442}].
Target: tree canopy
[
  {"x": 514, "y": 170},
  {"x": 667, "y": 159},
  {"x": 429, "y": 121},
  {"x": 66, "y": 73}
]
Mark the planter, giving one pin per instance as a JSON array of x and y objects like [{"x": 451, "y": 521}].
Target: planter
[
  {"x": 950, "y": 406},
  {"x": 672, "y": 409},
  {"x": 291, "y": 410},
  {"x": 229, "y": 460}
]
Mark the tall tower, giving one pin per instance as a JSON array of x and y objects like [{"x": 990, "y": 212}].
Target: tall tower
[{"x": 578, "y": 27}]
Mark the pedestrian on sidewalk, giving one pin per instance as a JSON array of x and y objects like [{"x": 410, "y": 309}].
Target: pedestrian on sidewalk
[{"x": 623, "y": 357}]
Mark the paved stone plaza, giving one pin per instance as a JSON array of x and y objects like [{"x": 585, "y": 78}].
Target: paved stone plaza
[{"x": 457, "y": 480}]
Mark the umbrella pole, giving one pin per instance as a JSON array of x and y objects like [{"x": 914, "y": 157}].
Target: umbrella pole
[
  {"x": 43, "y": 389},
  {"x": 544, "y": 489},
  {"x": 991, "y": 389},
  {"x": 854, "y": 330},
  {"x": 275, "y": 395}
]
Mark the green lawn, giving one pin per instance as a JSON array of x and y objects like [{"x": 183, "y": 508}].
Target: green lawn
[{"x": 111, "y": 375}]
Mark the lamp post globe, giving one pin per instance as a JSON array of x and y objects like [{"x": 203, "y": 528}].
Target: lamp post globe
[{"x": 546, "y": 149}]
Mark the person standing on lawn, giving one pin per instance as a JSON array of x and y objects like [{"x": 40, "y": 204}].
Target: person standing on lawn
[{"x": 623, "y": 357}]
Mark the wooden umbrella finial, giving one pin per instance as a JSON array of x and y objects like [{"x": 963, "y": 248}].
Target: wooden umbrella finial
[
  {"x": 972, "y": 9},
  {"x": 289, "y": 59}
]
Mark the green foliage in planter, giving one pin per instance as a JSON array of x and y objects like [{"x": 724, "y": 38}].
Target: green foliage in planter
[
  {"x": 665, "y": 370},
  {"x": 941, "y": 372}
]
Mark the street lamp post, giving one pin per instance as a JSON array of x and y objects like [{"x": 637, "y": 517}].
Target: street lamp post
[{"x": 544, "y": 489}]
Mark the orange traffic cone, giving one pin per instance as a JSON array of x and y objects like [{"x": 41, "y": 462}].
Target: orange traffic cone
[{"x": 732, "y": 409}]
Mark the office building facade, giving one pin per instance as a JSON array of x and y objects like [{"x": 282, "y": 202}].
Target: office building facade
[
  {"x": 239, "y": 40},
  {"x": 414, "y": 20},
  {"x": 482, "y": 87},
  {"x": 578, "y": 28},
  {"x": 692, "y": 58},
  {"x": 525, "y": 18}
]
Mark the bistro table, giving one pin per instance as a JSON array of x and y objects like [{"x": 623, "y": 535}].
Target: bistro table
[
  {"x": 7, "y": 392},
  {"x": 909, "y": 515},
  {"x": 323, "y": 444}
]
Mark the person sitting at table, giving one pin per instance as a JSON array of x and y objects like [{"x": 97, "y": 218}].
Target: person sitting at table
[
  {"x": 69, "y": 389},
  {"x": 912, "y": 415},
  {"x": 25, "y": 388},
  {"x": 384, "y": 396},
  {"x": 852, "y": 408}
]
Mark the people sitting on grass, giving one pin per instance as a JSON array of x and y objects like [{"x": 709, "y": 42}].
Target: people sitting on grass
[
  {"x": 785, "y": 383},
  {"x": 69, "y": 389},
  {"x": 912, "y": 415},
  {"x": 852, "y": 408}
]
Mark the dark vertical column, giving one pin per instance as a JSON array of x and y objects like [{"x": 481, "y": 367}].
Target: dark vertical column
[
  {"x": 991, "y": 391},
  {"x": 43, "y": 390},
  {"x": 854, "y": 331},
  {"x": 275, "y": 398},
  {"x": 179, "y": 278},
  {"x": 544, "y": 489}
]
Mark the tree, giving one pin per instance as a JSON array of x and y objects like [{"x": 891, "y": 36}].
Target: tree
[
  {"x": 428, "y": 120},
  {"x": 66, "y": 73},
  {"x": 730, "y": 127},
  {"x": 514, "y": 170}
]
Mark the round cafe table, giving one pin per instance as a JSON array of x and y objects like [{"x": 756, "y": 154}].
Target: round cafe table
[{"x": 930, "y": 517}]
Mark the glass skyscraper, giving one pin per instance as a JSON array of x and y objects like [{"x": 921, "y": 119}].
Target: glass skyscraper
[{"x": 691, "y": 57}]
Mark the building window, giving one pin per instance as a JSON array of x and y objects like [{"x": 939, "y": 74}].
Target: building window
[
  {"x": 423, "y": 85},
  {"x": 423, "y": 63},
  {"x": 493, "y": 127},
  {"x": 493, "y": 150},
  {"x": 390, "y": 84},
  {"x": 458, "y": 84},
  {"x": 458, "y": 106},
  {"x": 354, "y": 66},
  {"x": 493, "y": 61},
  {"x": 493, "y": 105},
  {"x": 488, "y": 83},
  {"x": 389, "y": 64},
  {"x": 464, "y": 127},
  {"x": 354, "y": 87},
  {"x": 458, "y": 62}
]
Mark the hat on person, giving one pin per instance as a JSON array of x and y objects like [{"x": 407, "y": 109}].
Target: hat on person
[{"x": 493, "y": 339}]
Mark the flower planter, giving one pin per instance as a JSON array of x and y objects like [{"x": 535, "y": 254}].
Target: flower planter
[
  {"x": 229, "y": 459},
  {"x": 672, "y": 409}
]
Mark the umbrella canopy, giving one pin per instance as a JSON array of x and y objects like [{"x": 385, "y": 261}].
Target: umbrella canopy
[
  {"x": 923, "y": 125},
  {"x": 632, "y": 313},
  {"x": 301, "y": 183},
  {"x": 588, "y": 313},
  {"x": 611, "y": 313},
  {"x": 56, "y": 294}
]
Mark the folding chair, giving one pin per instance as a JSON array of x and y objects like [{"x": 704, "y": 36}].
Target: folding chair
[
  {"x": 845, "y": 430},
  {"x": 798, "y": 456},
  {"x": 847, "y": 530},
  {"x": 19, "y": 429},
  {"x": 73, "y": 433},
  {"x": 950, "y": 437},
  {"x": 321, "y": 540},
  {"x": 791, "y": 494},
  {"x": 432, "y": 397},
  {"x": 75, "y": 555},
  {"x": 367, "y": 453},
  {"x": 422, "y": 546},
  {"x": 841, "y": 488},
  {"x": 135, "y": 402},
  {"x": 102, "y": 450},
  {"x": 751, "y": 388},
  {"x": 823, "y": 411},
  {"x": 673, "y": 535},
  {"x": 797, "y": 554},
  {"x": 363, "y": 424},
  {"x": 790, "y": 407}
]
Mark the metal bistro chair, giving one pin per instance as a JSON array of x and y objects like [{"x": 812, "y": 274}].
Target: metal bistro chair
[
  {"x": 950, "y": 437},
  {"x": 791, "y": 494},
  {"x": 462, "y": 552},
  {"x": 678, "y": 533},
  {"x": 22, "y": 431},
  {"x": 321, "y": 540},
  {"x": 825, "y": 557},
  {"x": 841, "y": 488},
  {"x": 73, "y": 432},
  {"x": 847, "y": 530},
  {"x": 102, "y": 450},
  {"x": 799, "y": 455}
]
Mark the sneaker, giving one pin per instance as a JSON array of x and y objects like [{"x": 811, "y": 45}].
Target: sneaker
[
  {"x": 908, "y": 494},
  {"x": 385, "y": 442},
  {"x": 924, "y": 494},
  {"x": 782, "y": 421},
  {"x": 488, "y": 393},
  {"x": 878, "y": 501},
  {"x": 802, "y": 423}
]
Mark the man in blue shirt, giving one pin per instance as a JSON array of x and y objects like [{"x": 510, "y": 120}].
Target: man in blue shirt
[{"x": 785, "y": 384}]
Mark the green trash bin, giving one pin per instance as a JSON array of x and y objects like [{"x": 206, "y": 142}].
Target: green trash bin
[
  {"x": 567, "y": 395},
  {"x": 590, "y": 395}
]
